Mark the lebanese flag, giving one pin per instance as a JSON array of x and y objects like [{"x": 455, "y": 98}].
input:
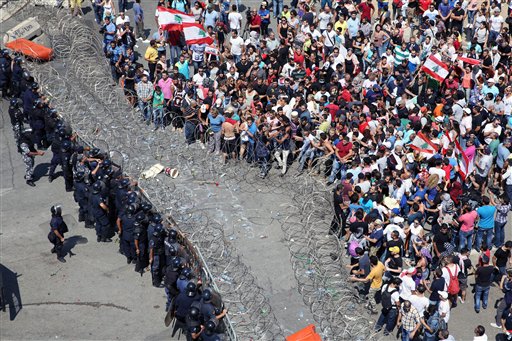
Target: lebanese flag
[
  {"x": 195, "y": 34},
  {"x": 435, "y": 68},
  {"x": 170, "y": 19},
  {"x": 424, "y": 145},
  {"x": 466, "y": 166},
  {"x": 467, "y": 60}
]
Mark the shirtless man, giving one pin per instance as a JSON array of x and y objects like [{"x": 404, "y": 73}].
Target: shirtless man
[{"x": 229, "y": 128}]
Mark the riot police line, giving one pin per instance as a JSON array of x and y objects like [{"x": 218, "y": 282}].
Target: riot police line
[{"x": 111, "y": 202}]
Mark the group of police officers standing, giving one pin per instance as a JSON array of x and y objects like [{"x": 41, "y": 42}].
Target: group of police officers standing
[{"x": 109, "y": 202}]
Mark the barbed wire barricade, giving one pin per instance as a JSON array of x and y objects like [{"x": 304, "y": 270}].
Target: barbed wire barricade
[{"x": 79, "y": 84}]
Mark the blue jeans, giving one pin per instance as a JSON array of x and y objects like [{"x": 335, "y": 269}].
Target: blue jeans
[
  {"x": 278, "y": 8},
  {"x": 145, "y": 109},
  {"x": 237, "y": 58},
  {"x": 480, "y": 236},
  {"x": 158, "y": 117},
  {"x": 98, "y": 13},
  {"x": 337, "y": 167},
  {"x": 481, "y": 294},
  {"x": 250, "y": 152},
  {"x": 499, "y": 233},
  {"x": 465, "y": 240},
  {"x": 388, "y": 319},
  {"x": 190, "y": 130},
  {"x": 406, "y": 335},
  {"x": 121, "y": 6},
  {"x": 492, "y": 36},
  {"x": 508, "y": 190},
  {"x": 325, "y": 2},
  {"x": 174, "y": 54}
]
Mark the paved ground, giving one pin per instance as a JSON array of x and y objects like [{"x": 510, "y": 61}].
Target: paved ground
[{"x": 93, "y": 296}]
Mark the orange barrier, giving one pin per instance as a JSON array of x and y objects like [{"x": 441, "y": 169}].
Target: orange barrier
[
  {"x": 30, "y": 49},
  {"x": 306, "y": 334}
]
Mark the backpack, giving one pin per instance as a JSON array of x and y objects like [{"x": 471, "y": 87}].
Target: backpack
[
  {"x": 387, "y": 304},
  {"x": 453, "y": 287},
  {"x": 441, "y": 324}
]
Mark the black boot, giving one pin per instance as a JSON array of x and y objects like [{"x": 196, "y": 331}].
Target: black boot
[
  {"x": 31, "y": 183},
  {"x": 50, "y": 178}
]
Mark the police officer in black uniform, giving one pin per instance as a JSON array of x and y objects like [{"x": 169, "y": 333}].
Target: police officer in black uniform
[
  {"x": 212, "y": 307},
  {"x": 172, "y": 273},
  {"x": 157, "y": 254},
  {"x": 123, "y": 186},
  {"x": 126, "y": 228},
  {"x": 16, "y": 76},
  {"x": 184, "y": 302},
  {"x": 80, "y": 195},
  {"x": 16, "y": 116},
  {"x": 67, "y": 150},
  {"x": 56, "y": 153},
  {"x": 5, "y": 72},
  {"x": 193, "y": 323},
  {"x": 186, "y": 275},
  {"x": 36, "y": 121},
  {"x": 98, "y": 205},
  {"x": 209, "y": 332},
  {"x": 57, "y": 229},
  {"x": 140, "y": 237}
]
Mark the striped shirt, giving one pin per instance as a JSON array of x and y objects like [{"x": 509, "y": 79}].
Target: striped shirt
[{"x": 401, "y": 55}]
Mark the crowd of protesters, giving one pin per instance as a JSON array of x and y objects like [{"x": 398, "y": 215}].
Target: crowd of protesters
[{"x": 420, "y": 165}]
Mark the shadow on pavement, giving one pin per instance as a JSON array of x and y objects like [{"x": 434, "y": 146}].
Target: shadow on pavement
[
  {"x": 41, "y": 170},
  {"x": 10, "y": 297},
  {"x": 71, "y": 242}
]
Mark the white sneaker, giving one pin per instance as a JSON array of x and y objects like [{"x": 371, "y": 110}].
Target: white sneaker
[
  {"x": 140, "y": 38},
  {"x": 146, "y": 41},
  {"x": 202, "y": 146},
  {"x": 136, "y": 46},
  {"x": 495, "y": 325}
]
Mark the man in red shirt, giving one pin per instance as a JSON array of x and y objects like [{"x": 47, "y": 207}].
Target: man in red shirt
[
  {"x": 343, "y": 152},
  {"x": 367, "y": 9},
  {"x": 255, "y": 24}
]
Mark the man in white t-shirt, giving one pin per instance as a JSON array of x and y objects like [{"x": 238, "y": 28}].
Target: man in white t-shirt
[
  {"x": 237, "y": 46},
  {"x": 408, "y": 285},
  {"x": 418, "y": 299},
  {"x": 122, "y": 19},
  {"x": 495, "y": 24},
  {"x": 234, "y": 19},
  {"x": 444, "y": 306},
  {"x": 324, "y": 18}
]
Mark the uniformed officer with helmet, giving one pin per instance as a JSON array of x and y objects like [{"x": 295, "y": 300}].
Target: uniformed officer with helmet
[
  {"x": 28, "y": 151},
  {"x": 57, "y": 229}
]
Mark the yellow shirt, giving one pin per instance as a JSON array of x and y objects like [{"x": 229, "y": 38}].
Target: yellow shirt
[
  {"x": 343, "y": 26},
  {"x": 376, "y": 275},
  {"x": 324, "y": 126},
  {"x": 151, "y": 54}
]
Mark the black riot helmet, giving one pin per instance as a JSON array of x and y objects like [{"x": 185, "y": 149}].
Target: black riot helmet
[
  {"x": 140, "y": 217},
  {"x": 176, "y": 263},
  {"x": 132, "y": 197},
  {"x": 156, "y": 219},
  {"x": 18, "y": 60},
  {"x": 106, "y": 164},
  {"x": 95, "y": 152},
  {"x": 15, "y": 103},
  {"x": 26, "y": 75},
  {"x": 52, "y": 112},
  {"x": 173, "y": 234},
  {"x": 131, "y": 209},
  {"x": 146, "y": 206},
  {"x": 191, "y": 289},
  {"x": 158, "y": 231},
  {"x": 124, "y": 183},
  {"x": 56, "y": 210},
  {"x": 207, "y": 295},
  {"x": 186, "y": 273},
  {"x": 97, "y": 187},
  {"x": 211, "y": 325},
  {"x": 34, "y": 86},
  {"x": 4, "y": 52},
  {"x": 194, "y": 313}
]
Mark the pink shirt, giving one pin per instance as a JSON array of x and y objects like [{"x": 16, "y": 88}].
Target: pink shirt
[
  {"x": 468, "y": 221},
  {"x": 165, "y": 85}
]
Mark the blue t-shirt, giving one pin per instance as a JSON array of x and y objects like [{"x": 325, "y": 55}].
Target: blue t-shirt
[
  {"x": 486, "y": 214},
  {"x": 216, "y": 122},
  {"x": 253, "y": 128}
]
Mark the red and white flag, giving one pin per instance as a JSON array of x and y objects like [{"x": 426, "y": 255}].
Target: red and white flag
[
  {"x": 471, "y": 61},
  {"x": 435, "y": 68},
  {"x": 195, "y": 34},
  {"x": 424, "y": 145},
  {"x": 171, "y": 19},
  {"x": 466, "y": 166}
]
